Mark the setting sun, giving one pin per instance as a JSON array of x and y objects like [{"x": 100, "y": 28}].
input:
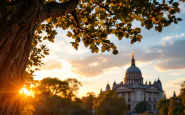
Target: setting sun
[{"x": 26, "y": 92}]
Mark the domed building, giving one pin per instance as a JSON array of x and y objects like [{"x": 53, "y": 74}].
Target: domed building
[{"x": 134, "y": 90}]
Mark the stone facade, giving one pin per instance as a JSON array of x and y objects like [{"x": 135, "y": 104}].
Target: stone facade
[{"x": 134, "y": 90}]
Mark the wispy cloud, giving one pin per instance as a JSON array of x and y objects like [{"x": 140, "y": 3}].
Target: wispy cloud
[
  {"x": 167, "y": 38},
  {"x": 180, "y": 36},
  {"x": 51, "y": 64},
  {"x": 173, "y": 85},
  {"x": 172, "y": 55},
  {"x": 178, "y": 82},
  {"x": 97, "y": 64},
  {"x": 170, "y": 39},
  {"x": 182, "y": 7},
  {"x": 168, "y": 57}
]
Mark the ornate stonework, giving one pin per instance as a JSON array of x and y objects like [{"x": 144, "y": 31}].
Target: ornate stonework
[{"x": 135, "y": 91}]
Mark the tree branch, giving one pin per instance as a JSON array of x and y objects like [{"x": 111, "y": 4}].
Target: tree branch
[
  {"x": 111, "y": 13},
  {"x": 54, "y": 9},
  {"x": 76, "y": 18}
]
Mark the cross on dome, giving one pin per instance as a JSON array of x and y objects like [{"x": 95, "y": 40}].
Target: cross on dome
[
  {"x": 133, "y": 60},
  {"x": 132, "y": 54}
]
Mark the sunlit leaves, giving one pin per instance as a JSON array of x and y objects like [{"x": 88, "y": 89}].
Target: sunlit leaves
[
  {"x": 98, "y": 19},
  {"x": 38, "y": 52},
  {"x": 69, "y": 34},
  {"x": 139, "y": 38},
  {"x": 53, "y": 86}
]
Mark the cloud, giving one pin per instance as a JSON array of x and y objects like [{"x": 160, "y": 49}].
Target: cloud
[
  {"x": 171, "y": 55},
  {"x": 167, "y": 38},
  {"x": 167, "y": 57},
  {"x": 182, "y": 7},
  {"x": 97, "y": 64},
  {"x": 173, "y": 85},
  {"x": 62, "y": 48},
  {"x": 170, "y": 39},
  {"x": 178, "y": 82},
  {"x": 178, "y": 73},
  {"x": 179, "y": 36},
  {"x": 51, "y": 64}
]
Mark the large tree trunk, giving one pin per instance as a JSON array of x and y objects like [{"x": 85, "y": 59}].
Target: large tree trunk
[
  {"x": 15, "y": 43},
  {"x": 17, "y": 28}
]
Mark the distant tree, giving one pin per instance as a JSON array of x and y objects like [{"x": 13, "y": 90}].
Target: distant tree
[
  {"x": 141, "y": 107},
  {"x": 163, "y": 106},
  {"x": 55, "y": 97},
  {"x": 182, "y": 93},
  {"x": 78, "y": 100},
  {"x": 27, "y": 107},
  {"x": 51, "y": 105},
  {"x": 27, "y": 110},
  {"x": 72, "y": 91},
  {"x": 88, "y": 100},
  {"x": 109, "y": 103},
  {"x": 78, "y": 109},
  {"x": 176, "y": 107},
  {"x": 52, "y": 86}
]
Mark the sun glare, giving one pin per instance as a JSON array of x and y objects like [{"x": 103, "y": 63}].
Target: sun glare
[
  {"x": 26, "y": 92},
  {"x": 66, "y": 71}
]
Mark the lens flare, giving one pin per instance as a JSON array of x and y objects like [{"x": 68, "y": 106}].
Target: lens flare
[{"x": 26, "y": 92}]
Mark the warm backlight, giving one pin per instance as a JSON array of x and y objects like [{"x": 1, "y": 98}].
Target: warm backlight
[{"x": 26, "y": 92}]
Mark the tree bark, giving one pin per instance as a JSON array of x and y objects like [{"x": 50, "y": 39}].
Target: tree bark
[
  {"x": 17, "y": 28},
  {"x": 15, "y": 43}
]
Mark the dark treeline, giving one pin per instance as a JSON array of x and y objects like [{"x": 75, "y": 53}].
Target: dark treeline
[
  {"x": 175, "y": 105},
  {"x": 53, "y": 96}
]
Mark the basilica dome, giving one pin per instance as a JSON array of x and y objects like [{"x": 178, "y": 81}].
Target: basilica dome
[
  {"x": 133, "y": 73},
  {"x": 133, "y": 69}
]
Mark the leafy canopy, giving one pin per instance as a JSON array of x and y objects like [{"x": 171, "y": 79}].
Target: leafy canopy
[
  {"x": 53, "y": 86},
  {"x": 163, "y": 105},
  {"x": 109, "y": 103},
  {"x": 93, "y": 20},
  {"x": 98, "y": 19},
  {"x": 88, "y": 100},
  {"x": 182, "y": 93}
]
